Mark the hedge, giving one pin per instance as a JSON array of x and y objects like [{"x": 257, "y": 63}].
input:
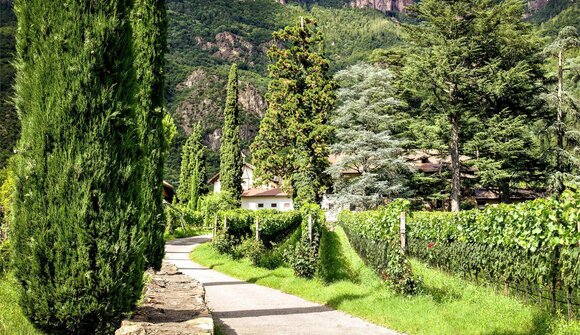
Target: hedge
[
  {"x": 531, "y": 246},
  {"x": 274, "y": 226},
  {"x": 374, "y": 235}
]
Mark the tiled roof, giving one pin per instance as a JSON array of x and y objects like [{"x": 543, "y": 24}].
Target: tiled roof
[{"x": 260, "y": 192}]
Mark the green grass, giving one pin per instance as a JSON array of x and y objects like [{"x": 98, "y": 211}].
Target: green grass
[
  {"x": 447, "y": 304},
  {"x": 12, "y": 320}
]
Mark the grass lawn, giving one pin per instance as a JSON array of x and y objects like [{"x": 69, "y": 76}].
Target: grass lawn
[
  {"x": 447, "y": 304},
  {"x": 12, "y": 320}
]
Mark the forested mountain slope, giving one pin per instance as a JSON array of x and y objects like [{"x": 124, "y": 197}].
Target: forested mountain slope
[{"x": 206, "y": 36}]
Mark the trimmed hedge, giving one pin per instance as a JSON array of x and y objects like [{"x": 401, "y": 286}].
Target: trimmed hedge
[
  {"x": 183, "y": 217},
  {"x": 374, "y": 235},
  {"x": 275, "y": 226},
  {"x": 534, "y": 245}
]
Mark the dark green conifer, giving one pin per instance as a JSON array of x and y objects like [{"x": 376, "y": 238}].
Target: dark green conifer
[
  {"x": 148, "y": 22},
  {"x": 192, "y": 180},
  {"x": 293, "y": 139},
  {"x": 231, "y": 161},
  {"x": 85, "y": 202}
]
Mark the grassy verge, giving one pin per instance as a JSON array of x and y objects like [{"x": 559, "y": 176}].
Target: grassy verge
[
  {"x": 12, "y": 320},
  {"x": 447, "y": 305},
  {"x": 186, "y": 232}
]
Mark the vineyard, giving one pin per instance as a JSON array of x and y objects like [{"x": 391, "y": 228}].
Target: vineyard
[{"x": 530, "y": 249}]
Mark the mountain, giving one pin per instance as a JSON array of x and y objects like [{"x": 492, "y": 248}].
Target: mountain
[{"x": 206, "y": 36}]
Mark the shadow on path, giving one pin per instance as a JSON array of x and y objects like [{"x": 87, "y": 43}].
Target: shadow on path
[{"x": 274, "y": 311}]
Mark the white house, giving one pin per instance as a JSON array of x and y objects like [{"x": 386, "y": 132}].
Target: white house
[{"x": 260, "y": 196}]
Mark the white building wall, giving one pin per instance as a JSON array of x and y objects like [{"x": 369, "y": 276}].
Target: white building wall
[
  {"x": 278, "y": 203},
  {"x": 217, "y": 186}
]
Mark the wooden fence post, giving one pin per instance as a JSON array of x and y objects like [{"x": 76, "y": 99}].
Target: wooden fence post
[
  {"x": 257, "y": 229},
  {"x": 215, "y": 226},
  {"x": 310, "y": 228},
  {"x": 403, "y": 231}
]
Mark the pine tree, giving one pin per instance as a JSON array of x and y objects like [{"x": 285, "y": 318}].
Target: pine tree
[
  {"x": 472, "y": 59},
  {"x": 292, "y": 142},
  {"x": 566, "y": 125},
  {"x": 148, "y": 22},
  {"x": 192, "y": 180},
  {"x": 364, "y": 125},
  {"x": 231, "y": 161},
  {"x": 80, "y": 188}
]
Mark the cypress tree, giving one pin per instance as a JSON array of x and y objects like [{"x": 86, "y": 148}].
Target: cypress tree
[
  {"x": 292, "y": 142},
  {"x": 230, "y": 151},
  {"x": 81, "y": 166},
  {"x": 149, "y": 28},
  {"x": 192, "y": 180}
]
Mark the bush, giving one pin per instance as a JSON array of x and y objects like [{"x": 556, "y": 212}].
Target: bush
[
  {"x": 275, "y": 226},
  {"x": 303, "y": 256},
  {"x": 236, "y": 222},
  {"x": 4, "y": 256},
  {"x": 182, "y": 217},
  {"x": 210, "y": 205},
  {"x": 374, "y": 235},
  {"x": 533, "y": 245}
]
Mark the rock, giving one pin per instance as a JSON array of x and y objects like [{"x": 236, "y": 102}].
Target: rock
[{"x": 174, "y": 304}]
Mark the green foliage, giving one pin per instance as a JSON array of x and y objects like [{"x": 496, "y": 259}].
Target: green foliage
[
  {"x": 6, "y": 199},
  {"x": 193, "y": 177},
  {"x": 364, "y": 141},
  {"x": 293, "y": 139},
  {"x": 471, "y": 60},
  {"x": 5, "y": 251},
  {"x": 533, "y": 244},
  {"x": 87, "y": 200},
  {"x": 212, "y": 204},
  {"x": 275, "y": 226},
  {"x": 236, "y": 222},
  {"x": 182, "y": 217},
  {"x": 375, "y": 237},
  {"x": 231, "y": 161},
  {"x": 303, "y": 257},
  {"x": 149, "y": 40},
  {"x": 9, "y": 122}
]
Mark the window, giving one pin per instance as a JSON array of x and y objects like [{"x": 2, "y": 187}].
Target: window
[
  {"x": 274, "y": 205},
  {"x": 287, "y": 205},
  {"x": 260, "y": 205}
]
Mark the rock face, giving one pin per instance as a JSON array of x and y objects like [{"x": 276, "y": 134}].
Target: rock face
[
  {"x": 535, "y": 5},
  {"x": 229, "y": 47},
  {"x": 383, "y": 5},
  {"x": 174, "y": 304},
  {"x": 204, "y": 97}
]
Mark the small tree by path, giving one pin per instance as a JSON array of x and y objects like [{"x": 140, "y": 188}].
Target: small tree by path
[{"x": 192, "y": 181}]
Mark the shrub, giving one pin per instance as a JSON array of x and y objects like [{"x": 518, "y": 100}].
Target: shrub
[
  {"x": 275, "y": 226},
  {"x": 303, "y": 256},
  {"x": 374, "y": 235},
  {"x": 236, "y": 222},
  {"x": 534, "y": 244},
  {"x": 210, "y": 205},
  {"x": 178, "y": 216},
  {"x": 4, "y": 256}
]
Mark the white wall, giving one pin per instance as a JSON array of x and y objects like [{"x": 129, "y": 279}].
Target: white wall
[{"x": 281, "y": 203}]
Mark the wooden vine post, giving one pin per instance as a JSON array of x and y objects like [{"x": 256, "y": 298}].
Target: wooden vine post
[
  {"x": 225, "y": 224},
  {"x": 310, "y": 228},
  {"x": 215, "y": 226},
  {"x": 403, "y": 231}
]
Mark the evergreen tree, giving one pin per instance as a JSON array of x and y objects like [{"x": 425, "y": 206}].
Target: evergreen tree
[
  {"x": 192, "y": 181},
  {"x": 292, "y": 142},
  {"x": 231, "y": 161},
  {"x": 565, "y": 127},
  {"x": 364, "y": 123},
  {"x": 505, "y": 154},
  {"x": 149, "y": 28},
  {"x": 85, "y": 201},
  {"x": 472, "y": 59}
]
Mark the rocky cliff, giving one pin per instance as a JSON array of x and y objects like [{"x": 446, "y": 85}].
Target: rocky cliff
[{"x": 383, "y": 5}]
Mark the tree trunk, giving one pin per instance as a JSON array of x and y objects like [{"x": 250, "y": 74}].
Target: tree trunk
[
  {"x": 505, "y": 192},
  {"x": 559, "y": 187},
  {"x": 455, "y": 163}
]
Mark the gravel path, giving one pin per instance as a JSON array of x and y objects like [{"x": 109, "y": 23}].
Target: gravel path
[{"x": 246, "y": 309}]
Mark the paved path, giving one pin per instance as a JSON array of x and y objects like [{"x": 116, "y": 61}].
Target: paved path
[{"x": 247, "y": 309}]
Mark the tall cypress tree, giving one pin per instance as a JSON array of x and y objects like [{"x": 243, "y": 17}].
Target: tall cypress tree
[
  {"x": 292, "y": 142},
  {"x": 192, "y": 180},
  {"x": 231, "y": 151},
  {"x": 79, "y": 180},
  {"x": 148, "y": 21}
]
